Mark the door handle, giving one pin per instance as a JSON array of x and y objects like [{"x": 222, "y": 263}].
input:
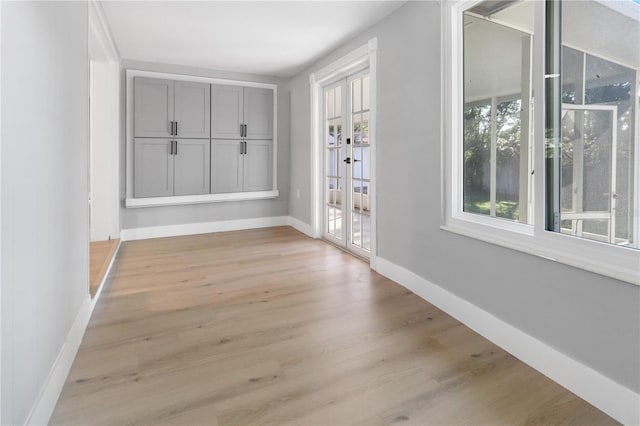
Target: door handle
[{"x": 348, "y": 160}]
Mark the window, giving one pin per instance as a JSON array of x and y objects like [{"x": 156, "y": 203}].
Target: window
[
  {"x": 542, "y": 133},
  {"x": 497, "y": 111}
]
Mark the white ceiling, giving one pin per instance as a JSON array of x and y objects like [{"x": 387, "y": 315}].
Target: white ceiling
[{"x": 276, "y": 38}]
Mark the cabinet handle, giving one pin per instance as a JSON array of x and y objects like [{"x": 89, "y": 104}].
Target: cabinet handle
[
  {"x": 171, "y": 131},
  {"x": 176, "y": 134},
  {"x": 245, "y": 132},
  {"x": 245, "y": 145},
  {"x": 171, "y": 147},
  {"x": 176, "y": 152},
  {"x": 241, "y": 130}
]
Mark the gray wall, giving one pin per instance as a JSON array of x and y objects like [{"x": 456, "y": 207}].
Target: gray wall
[
  {"x": 173, "y": 215},
  {"x": 593, "y": 319},
  {"x": 44, "y": 191}
]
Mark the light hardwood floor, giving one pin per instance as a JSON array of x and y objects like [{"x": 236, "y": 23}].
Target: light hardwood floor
[
  {"x": 100, "y": 255},
  {"x": 271, "y": 327}
]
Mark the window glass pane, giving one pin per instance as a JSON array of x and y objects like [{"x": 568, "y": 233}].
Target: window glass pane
[
  {"x": 599, "y": 172},
  {"x": 497, "y": 113},
  {"x": 477, "y": 146},
  {"x": 508, "y": 159},
  {"x": 338, "y": 101},
  {"x": 572, "y": 70}
]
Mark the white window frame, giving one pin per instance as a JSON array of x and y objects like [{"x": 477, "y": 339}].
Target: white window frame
[
  {"x": 609, "y": 260},
  {"x": 132, "y": 202}
]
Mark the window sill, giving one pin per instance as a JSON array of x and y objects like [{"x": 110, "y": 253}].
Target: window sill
[
  {"x": 199, "y": 199},
  {"x": 621, "y": 263}
]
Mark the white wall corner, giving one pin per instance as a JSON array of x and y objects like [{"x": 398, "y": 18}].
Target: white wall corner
[
  {"x": 50, "y": 392},
  {"x": 201, "y": 228},
  {"x": 616, "y": 400},
  {"x": 301, "y": 226}
]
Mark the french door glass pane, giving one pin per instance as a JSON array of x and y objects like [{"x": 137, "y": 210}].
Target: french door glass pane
[
  {"x": 365, "y": 93},
  {"x": 366, "y": 162},
  {"x": 330, "y": 98},
  {"x": 357, "y": 163},
  {"x": 356, "y": 231},
  {"x": 338, "y": 101},
  {"x": 364, "y": 128},
  {"x": 366, "y": 232},
  {"x": 356, "y": 97}
]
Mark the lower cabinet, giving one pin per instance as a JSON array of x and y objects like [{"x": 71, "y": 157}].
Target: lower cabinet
[
  {"x": 258, "y": 165},
  {"x": 164, "y": 167},
  {"x": 226, "y": 166},
  {"x": 191, "y": 166},
  {"x": 241, "y": 166}
]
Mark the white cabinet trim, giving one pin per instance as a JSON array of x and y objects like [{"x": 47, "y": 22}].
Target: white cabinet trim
[
  {"x": 199, "y": 199},
  {"x": 131, "y": 201}
]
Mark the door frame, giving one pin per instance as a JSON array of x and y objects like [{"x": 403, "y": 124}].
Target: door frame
[
  {"x": 358, "y": 59},
  {"x": 104, "y": 127}
]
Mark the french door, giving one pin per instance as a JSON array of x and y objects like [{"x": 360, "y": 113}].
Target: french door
[{"x": 347, "y": 164}]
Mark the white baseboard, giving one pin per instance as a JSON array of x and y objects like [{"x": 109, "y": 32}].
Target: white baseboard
[
  {"x": 614, "y": 399},
  {"x": 201, "y": 228},
  {"x": 305, "y": 228},
  {"x": 50, "y": 391},
  {"x": 104, "y": 278}
]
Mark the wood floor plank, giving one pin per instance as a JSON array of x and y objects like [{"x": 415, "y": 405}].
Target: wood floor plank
[
  {"x": 100, "y": 255},
  {"x": 269, "y": 326}
]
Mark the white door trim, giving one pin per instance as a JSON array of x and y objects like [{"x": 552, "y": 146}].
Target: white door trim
[
  {"x": 105, "y": 184},
  {"x": 364, "y": 56}
]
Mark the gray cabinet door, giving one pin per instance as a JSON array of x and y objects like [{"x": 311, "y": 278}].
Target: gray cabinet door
[
  {"x": 191, "y": 159},
  {"x": 226, "y": 166},
  {"x": 258, "y": 113},
  {"x": 192, "y": 109},
  {"x": 153, "y": 107},
  {"x": 153, "y": 165},
  {"x": 258, "y": 165},
  {"x": 226, "y": 111}
]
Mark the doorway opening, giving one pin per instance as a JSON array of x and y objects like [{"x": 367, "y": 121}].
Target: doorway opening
[{"x": 103, "y": 197}]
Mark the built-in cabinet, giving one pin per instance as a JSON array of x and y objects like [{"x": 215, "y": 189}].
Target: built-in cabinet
[
  {"x": 193, "y": 138},
  {"x": 242, "y": 139}
]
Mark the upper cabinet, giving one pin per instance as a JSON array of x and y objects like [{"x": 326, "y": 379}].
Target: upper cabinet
[
  {"x": 153, "y": 108},
  {"x": 258, "y": 113},
  {"x": 226, "y": 111},
  {"x": 241, "y": 112},
  {"x": 192, "y": 109},
  {"x": 171, "y": 108}
]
